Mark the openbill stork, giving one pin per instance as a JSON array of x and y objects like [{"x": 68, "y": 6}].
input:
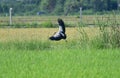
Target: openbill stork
[{"x": 61, "y": 32}]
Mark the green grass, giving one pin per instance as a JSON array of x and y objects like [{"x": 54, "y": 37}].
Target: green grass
[{"x": 60, "y": 63}]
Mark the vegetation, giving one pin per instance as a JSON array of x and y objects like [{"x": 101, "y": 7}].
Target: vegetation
[
  {"x": 107, "y": 36},
  {"x": 57, "y": 63},
  {"x": 91, "y": 50},
  {"x": 51, "y": 21},
  {"x": 56, "y": 7},
  {"x": 110, "y": 33}
]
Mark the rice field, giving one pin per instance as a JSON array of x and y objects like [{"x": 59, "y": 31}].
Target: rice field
[
  {"x": 27, "y": 53},
  {"x": 21, "y": 34},
  {"x": 60, "y": 63},
  {"x": 87, "y": 19}
]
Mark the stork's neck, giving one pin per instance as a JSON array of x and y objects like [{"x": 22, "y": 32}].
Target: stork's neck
[{"x": 60, "y": 29}]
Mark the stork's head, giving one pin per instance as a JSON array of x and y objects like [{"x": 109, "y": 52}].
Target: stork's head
[{"x": 60, "y": 21}]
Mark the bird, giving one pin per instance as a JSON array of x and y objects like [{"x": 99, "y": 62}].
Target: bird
[{"x": 61, "y": 32}]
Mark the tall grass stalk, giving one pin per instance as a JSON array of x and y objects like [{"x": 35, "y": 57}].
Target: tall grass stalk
[
  {"x": 83, "y": 37},
  {"x": 109, "y": 32},
  {"x": 108, "y": 37}
]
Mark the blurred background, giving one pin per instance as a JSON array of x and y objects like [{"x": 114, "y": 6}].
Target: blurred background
[{"x": 58, "y": 7}]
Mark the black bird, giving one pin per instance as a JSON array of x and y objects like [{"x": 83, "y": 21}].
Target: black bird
[{"x": 61, "y": 32}]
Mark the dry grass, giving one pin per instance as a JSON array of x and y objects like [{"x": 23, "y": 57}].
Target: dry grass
[{"x": 20, "y": 34}]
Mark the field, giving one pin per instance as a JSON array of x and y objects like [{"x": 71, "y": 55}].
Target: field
[
  {"x": 10, "y": 34},
  {"x": 70, "y": 20},
  {"x": 60, "y": 63},
  {"x": 27, "y": 53}
]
